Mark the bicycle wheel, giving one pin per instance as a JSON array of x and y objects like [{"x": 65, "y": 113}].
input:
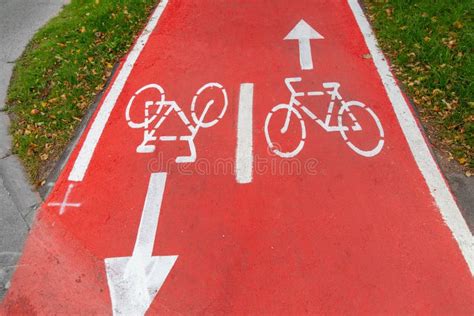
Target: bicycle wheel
[
  {"x": 372, "y": 124},
  {"x": 199, "y": 116},
  {"x": 296, "y": 129},
  {"x": 144, "y": 97}
]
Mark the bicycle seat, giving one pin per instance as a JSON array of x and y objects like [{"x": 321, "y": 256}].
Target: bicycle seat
[{"x": 331, "y": 85}]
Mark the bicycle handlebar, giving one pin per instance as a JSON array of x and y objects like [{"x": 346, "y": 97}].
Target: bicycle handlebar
[
  {"x": 334, "y": 86},
  {"x": 289, "y": 81}
]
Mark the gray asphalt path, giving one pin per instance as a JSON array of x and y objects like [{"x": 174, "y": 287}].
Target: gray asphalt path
[{"x": 19, "y": 20}]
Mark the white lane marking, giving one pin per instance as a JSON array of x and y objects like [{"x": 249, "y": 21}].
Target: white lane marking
[
  {"x": 420, "y": 150},
  {"x": 303, "y": 32},
  {"x": 135, "y": 281},
  {"x": 151, "y": 213},
  {"x": 244, "y": 152},
  {"x": 65, "y": 203},
  {"x": 85, "y": 154}
]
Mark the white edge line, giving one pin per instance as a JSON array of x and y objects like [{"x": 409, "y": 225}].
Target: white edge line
[
  {"x": 244, "y": 151},
  {"x": 85, "y": 154},
  {"x": 418, "y": 146}
]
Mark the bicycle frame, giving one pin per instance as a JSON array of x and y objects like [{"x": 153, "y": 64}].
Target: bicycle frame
[{"x": 335, "y": 96}]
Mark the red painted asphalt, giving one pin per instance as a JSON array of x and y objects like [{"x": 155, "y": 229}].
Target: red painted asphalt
[{"x": 328, "y": 231}]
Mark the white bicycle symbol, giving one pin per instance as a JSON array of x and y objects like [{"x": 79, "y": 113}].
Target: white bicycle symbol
[
  {"x": 294, "y": 107},
  {"x": 164, "y": 109}
]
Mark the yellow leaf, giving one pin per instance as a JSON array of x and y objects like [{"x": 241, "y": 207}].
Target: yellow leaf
[{"x": 458, "y": 25}]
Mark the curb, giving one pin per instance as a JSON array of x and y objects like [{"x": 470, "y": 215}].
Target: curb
[{"x": 19, "y": 21}]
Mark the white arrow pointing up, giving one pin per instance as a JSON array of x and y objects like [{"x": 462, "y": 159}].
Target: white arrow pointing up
[
  {"x": 134, "y": 281},
  {"x": 303, "y": 32}
]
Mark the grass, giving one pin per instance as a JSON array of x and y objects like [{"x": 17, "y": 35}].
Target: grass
[
  {"x": 62, "y": 70},
  {"x": 431, "y": 45}
]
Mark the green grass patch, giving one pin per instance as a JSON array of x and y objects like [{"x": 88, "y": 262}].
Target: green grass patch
[
  {"x": 431, "y": 45},
  {"x": 62, "y": 70}
]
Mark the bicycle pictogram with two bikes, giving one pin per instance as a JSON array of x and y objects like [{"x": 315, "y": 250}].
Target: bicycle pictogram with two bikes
[{"x": 156, "y": 109}]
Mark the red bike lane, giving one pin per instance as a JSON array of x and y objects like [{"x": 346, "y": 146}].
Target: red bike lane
[{"x": 351, "y": 222}]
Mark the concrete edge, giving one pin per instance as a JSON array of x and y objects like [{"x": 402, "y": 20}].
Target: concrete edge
[
  {"x": 461, "y": 186},
  {"x": 18, "y": 198}
]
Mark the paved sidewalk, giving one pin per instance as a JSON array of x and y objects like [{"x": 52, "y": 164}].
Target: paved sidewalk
[{"x": 19, "y": 20}]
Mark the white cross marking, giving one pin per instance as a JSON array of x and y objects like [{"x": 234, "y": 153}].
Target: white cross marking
[{"x": 65, "y": 203}]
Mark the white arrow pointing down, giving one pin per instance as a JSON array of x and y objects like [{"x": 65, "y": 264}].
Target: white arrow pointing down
[
  {"x": 134, "y": 281},
  {"x": 303, "y": 32}
]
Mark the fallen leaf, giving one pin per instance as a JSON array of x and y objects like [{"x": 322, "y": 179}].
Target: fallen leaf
[{"x": 458, "y": 25}]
